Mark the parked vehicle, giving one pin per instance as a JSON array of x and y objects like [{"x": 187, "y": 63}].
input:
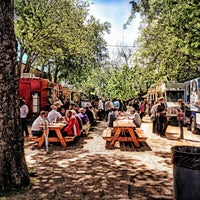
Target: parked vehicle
[
  {"x": 192, "y": 99},
  {"x": 39, "y": 93}
]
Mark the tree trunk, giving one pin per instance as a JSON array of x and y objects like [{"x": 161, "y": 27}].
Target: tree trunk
[
  {"x": 28, "y": 63},
  {"x": 13, "y": 169}
]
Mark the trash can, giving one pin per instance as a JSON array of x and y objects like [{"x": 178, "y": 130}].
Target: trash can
[{"x": 186, "y": 172}]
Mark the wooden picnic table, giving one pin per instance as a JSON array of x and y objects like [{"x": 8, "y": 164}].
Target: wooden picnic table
[
  {"x": 124, "y": 130},
  {"x": 56, "y": 127}
]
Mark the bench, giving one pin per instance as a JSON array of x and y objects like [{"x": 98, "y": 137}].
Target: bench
[
  {"x": 54, "y": 139},
  {"x": 69, "y": 138},
  {"x": 140, "y": 134},
  {"x": 86, "y": 128},
  {"x": 107, "y": 135},
  {"x": 35, "y": 138}
]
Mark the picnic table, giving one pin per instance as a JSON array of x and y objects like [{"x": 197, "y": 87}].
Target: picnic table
[
  {"x": 124, "y": 130},
  {"x": 56, "y": 127}
]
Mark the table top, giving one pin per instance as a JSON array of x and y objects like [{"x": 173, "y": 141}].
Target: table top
[
  {"x": 124, "y": 123},
  {"x": 55, "y": 125}
]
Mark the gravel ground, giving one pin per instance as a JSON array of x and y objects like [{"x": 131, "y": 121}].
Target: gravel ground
[{"x": 85, "y": 170}]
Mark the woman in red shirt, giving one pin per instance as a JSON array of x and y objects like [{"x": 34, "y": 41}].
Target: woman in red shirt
[{"x": 72, "y": 127}]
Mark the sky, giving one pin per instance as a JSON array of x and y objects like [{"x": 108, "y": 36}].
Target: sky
[{"x": 116, "y": 12}]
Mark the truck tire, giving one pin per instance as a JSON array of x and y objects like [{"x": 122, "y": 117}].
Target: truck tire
[{"x": 193, "y": 125}]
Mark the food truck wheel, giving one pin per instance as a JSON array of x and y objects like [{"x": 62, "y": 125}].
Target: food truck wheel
[{"x": 193, "y": 126}]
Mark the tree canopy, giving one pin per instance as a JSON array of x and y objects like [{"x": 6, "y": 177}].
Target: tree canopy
[
  {"x": 60, "y": 37},
  {"x": 63, "y": 40},
  {"x": 169, "y": 39}
]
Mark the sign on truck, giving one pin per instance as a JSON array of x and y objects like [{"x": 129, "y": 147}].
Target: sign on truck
[{"x": 192, "y": 99}]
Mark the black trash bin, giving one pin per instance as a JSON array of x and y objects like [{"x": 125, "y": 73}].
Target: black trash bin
[{"x": 186, "y": 172}]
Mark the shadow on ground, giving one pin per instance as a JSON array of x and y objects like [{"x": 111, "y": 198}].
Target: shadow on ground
[{"x": 74, "y": 173}]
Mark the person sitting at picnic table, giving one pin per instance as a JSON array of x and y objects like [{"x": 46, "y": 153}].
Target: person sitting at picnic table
[
  {"x": 112, "y": 116},
  {"x": 58, "y": 102},
  {"x": 90, "y": 115},
  {"x": 78, "y": 119},
  {"x": 134, "y": 115},
  {"x": 72, "y": 125},
  {"x": 62, "y": 111},
  {"x": 83, "y": 116},
  {"x": 36, "y": 129},
  {"x": 54, "y": 115}
]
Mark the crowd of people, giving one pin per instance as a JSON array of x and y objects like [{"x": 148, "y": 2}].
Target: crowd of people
[
  {"x": 75, "y": 115},
  {"x": 74, "y": 118}
]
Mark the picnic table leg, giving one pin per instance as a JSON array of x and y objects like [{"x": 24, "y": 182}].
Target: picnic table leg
[
  {"x": 117, "y": 133},
  {"x": 135, "y": 141},
  {"x": 41, "y": 140},
  {"x": 46, "y": 143},
  {"x": 60, "y": 137}
]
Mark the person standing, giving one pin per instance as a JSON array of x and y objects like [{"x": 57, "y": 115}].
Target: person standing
[
  {"x": 108, "y": 107},
  {"x": 116, "y": 104},
  {"x": 180, "y": 116},
  {"x": 100, "y": 109},
  {"x": 162, "y": 117},
  {"x": 154, "y": 117},
  {"x": 142, "y": 108},
  {"x": 23, "y": 116}
]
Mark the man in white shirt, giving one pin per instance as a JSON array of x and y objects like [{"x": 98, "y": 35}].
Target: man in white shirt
[
  {"x": 36, "y": 128},
  {"x": 54, "y": 115},
  {"x": 23, "y": 116},
  {"x": 100, "y": 109}
]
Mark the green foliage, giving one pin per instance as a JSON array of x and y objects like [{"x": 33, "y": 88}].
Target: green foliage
[
  {"x": 65, "y": 41},
  {"x": 169, "y": 41},
  {"x": 60, "y": 37}
]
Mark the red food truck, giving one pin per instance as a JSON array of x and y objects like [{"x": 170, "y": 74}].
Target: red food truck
[{"x": 39, "y": 93}]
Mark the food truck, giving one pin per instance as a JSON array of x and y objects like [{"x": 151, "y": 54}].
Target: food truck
[
  {"x": 39, "y": 93},
  {"x": 192, "y": 100},
  {"x": 171, "y": 91}
]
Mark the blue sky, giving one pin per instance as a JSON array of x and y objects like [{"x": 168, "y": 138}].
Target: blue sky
[{"x": 116, "y": 12}]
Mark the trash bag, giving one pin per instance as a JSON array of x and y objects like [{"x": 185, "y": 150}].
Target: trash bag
[
  {"x": 186, "y": 156},
  {"x": 186, "y": 172}
]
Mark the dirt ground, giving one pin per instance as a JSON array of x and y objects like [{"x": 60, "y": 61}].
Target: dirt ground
[{"x": 85, "y": 170}]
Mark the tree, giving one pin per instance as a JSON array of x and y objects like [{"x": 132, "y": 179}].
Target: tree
[
  {"x": 59, "y": 36},
  {"x": 169, "y": 40},
  {"x": 13, "y": 169}
]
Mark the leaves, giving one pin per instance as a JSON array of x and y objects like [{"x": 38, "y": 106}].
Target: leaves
[
  {"x": 169, "y": 41},
  {"x": 59, "y": 36}
]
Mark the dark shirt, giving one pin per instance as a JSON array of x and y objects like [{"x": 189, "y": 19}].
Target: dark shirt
[{"x": 90, "y": 116}]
